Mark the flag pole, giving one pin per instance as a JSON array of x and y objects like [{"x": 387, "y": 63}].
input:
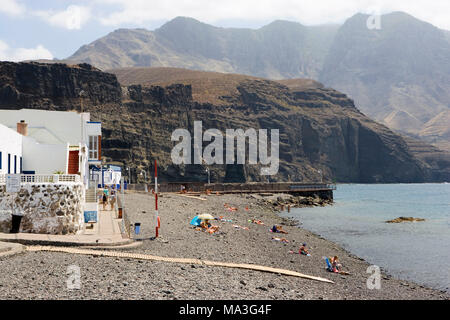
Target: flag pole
[{"x": 156, "y": 201}]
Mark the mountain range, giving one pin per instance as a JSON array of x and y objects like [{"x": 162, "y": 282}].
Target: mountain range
[{"x": 398, "y": 75}]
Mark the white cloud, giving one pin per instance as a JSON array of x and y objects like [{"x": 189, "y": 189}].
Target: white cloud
[
  {"x": 309, "y": 12},
  {"x": 73, "y": 18},
  {"x": 12, "y": 7},
  {"x": 20, "y": 54}
]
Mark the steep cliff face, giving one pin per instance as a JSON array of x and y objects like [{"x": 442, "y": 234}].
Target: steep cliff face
[
  {"x": 55, "y": 86},
  {"x": 320, "y": 129}
]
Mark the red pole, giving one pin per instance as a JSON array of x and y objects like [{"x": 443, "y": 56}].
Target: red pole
[{"x": 156, "y": 201}]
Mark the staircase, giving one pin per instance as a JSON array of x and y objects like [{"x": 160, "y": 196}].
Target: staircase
[{"x": 91, "y": 195}]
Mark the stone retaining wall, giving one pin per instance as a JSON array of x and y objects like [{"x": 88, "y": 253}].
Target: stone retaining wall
[{"x": 46, "y": 208}]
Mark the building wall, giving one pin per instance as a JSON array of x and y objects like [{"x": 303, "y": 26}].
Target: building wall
[
  {"x": 44, "y": 158},
  {"x": 46, "y": 208},
  {"x": 94, "y": 130},
  {"x": 10, "y": 143}
]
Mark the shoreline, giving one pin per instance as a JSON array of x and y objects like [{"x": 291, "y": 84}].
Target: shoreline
[
  {"x": 277, "y": 254},
  {"x": 360, "y": 222},
  {"x": 116, "y": 278}
]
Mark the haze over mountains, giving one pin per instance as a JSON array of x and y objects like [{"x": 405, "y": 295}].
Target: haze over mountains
[{"x": 398, "y": 75}]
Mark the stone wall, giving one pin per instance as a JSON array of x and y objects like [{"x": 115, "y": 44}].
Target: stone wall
[{"x": 46, "y": 208}]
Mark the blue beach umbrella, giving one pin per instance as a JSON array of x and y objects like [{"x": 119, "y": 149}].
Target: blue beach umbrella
[{"x": 196, "y": 221}]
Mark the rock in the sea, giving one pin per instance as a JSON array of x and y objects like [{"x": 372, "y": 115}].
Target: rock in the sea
[{"x": 405, "y": 219}]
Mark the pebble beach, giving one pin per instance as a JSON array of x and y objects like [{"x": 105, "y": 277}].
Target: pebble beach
[{"x": 43, "y": 275}]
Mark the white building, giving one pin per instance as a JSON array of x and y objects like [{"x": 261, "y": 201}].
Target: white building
[
  {"x": 10, "y": 150},
  {"x": 48, "y": 142},
  {"x": 106, "y": 176}
]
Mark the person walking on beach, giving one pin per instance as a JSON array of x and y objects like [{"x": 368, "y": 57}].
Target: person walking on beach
[
  {"x": 112, "y": 199},
  {"x": 104, "y": 201}
]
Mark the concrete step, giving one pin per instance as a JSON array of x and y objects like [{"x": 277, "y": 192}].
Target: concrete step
[{"x": 90, "y": 195}]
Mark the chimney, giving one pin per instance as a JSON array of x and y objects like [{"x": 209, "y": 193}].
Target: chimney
[{"x": 22, "y": 128}]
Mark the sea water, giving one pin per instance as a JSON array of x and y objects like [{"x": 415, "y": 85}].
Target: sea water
[{"x": 415, "y": 251}]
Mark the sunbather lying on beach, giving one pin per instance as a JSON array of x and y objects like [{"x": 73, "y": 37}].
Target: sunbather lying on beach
[
  {"x": 206, "y": 226},
  {"x": 257, "y": 221},
  {"x": 221, "y": 218},
  {"x": 278, "y": 229},
  {"x": 284, "y": 240},
  {"x": 229, "y": 208}
]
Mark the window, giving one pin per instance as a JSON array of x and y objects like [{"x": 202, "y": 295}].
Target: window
[
  {"x": 0, "y": 160},
  {"x": 20, "y": 164},
  {"x": 15, "y": 164},
  {"x": 9, "y": 163},
  {"x": 93, "y": 147}
]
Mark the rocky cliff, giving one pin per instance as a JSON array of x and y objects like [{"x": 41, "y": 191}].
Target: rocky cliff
[
  {"x": 320, "y": 128},
  {"x": 55, "y": 86}
]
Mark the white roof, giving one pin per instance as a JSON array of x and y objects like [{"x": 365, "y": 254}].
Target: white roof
[
  {"x": 42, "y": 135},
  {"x": 49, "y": 127}
]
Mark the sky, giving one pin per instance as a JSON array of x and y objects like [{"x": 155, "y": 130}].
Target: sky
[{"x": 47, "y": 29}]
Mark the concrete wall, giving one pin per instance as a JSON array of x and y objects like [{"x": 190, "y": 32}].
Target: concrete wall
[
  {"x": 46, "y": 208},
  {"x": 44, "y": 158},
  {"x": 10, "y": 143}
]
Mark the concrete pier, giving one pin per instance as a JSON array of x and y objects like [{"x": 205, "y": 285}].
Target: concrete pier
[{"x": 322, "y": 190}]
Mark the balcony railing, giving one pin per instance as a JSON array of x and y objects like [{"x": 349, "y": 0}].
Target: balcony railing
[{"x": 42, "y": 178}]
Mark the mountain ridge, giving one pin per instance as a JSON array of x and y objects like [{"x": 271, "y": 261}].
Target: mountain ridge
[{"x": 398, "y": 75}]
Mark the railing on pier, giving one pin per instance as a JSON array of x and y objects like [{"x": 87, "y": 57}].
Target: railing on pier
[
  {"x": 42, "y": 178},
  {"x": 251, "y": 187},
  {"x": 302, "y": 187}
]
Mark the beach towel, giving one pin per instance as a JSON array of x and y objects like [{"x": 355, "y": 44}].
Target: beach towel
[{"x": 240, "y": 227}]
